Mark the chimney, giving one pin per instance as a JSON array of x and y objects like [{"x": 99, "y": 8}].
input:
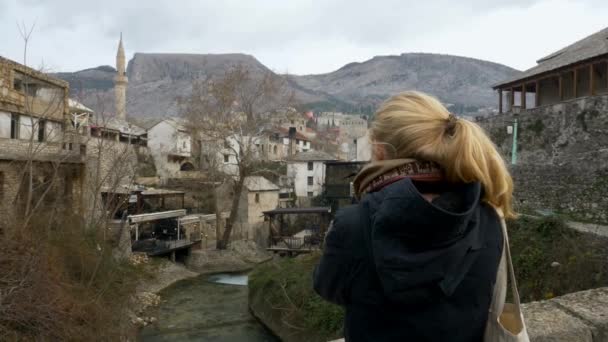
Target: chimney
[{"x": 292, "y": 140}]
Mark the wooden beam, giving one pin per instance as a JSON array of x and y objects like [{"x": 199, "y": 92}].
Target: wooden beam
[
  {"x": 537, "y": 94},
  {"x": 500, "y": 101},
  {"x": 523, "y": 97},
  {"x": 561, "y": 87},
  {"x": 511, "y": 99},
  {"x": 575, "y": 87},
  {"x": 591, "y": 80}
]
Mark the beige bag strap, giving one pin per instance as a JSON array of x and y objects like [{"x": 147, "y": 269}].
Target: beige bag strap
[{"x": 510, "y": 270}]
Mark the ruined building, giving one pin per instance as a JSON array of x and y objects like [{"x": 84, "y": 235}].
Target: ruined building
[{"x": 42, "y": 156}]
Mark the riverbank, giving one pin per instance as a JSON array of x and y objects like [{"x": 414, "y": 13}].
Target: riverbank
[
  {"x": 161, "y": 273},
  {"x": 282, "y": 298}
]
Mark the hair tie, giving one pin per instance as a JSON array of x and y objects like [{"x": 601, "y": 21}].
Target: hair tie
[{"x": 450, "y": 127}]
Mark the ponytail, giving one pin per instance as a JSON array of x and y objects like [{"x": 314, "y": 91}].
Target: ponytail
[{"x": 418, "y": 126}]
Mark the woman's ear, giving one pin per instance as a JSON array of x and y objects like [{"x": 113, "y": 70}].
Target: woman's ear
[{"x": 378, "y": 152}]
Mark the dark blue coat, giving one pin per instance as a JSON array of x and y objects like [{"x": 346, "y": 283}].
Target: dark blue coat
[{"x": 406, "y": 269}]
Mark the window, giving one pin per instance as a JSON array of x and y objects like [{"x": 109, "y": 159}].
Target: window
[
  {"x": 184, "y": 144},
  {"x": 41, "y": 130},
  {"x": 310, "y": 181},
  {"x": 257, "y": 198},
  {"x": 311, "y": 194},
  {"x": 14, "y": 126},
  {"x": 300, "y": 128},
  {"x": 274, "y": 149},
  {"x": 226, "y": 158},
  {"x": 17, "y": 84},
  {"x": 311, "y": 166},
  {"x": 226, "y": 144}
]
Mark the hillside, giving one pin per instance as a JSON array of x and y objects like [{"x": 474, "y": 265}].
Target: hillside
[
  {"x": 157, "y": 80},
  {"x": 464, "y": 82}
]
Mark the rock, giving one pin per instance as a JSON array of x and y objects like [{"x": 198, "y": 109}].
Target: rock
[
  {"x": 590, "y": 305},
  {"x": 546, "y": 322},
  {"x": 555, "y": 264}
]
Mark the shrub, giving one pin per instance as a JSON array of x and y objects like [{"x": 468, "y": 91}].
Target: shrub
[
  {"x": 62, "y": 283},
  {"x": 286, "y": 286},
  {"x": 537, "y": 243}
]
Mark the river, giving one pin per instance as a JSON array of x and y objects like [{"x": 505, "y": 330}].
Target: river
[{"x": 206, "y": 308}]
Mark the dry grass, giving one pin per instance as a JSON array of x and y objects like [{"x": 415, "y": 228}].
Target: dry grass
[{"x": 62, "y": 283}]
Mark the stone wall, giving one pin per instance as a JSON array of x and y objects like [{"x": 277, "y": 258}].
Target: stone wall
[
  {"x": 64, "y": 195},
  {"x": 109, "y": 165},
  {"x": 562, "y": 156}
]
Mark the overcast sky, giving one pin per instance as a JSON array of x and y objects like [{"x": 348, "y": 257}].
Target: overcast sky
[{"x": 296, "y": 36}]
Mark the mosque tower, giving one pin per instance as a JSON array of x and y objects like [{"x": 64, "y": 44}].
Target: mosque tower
[{"x": 120, "y": 83}]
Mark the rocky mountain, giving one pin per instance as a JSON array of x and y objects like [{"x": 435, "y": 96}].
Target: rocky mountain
[
  {"x": 463, "y": 82},
  {"x": 157, "y": 80}
]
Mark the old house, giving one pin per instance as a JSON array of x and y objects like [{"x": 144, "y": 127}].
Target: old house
[
  {"x": 307, "y": 169},
  {"x": 35, "y": 126},
  {"x": 578, "y": 70},
  {"x": 170, "y": 145},
  {"x": 258, "y": 195},
  {"x": 291, "y": 118}
]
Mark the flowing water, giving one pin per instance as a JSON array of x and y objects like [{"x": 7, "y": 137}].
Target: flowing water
[{"x": 206, "y": 308}]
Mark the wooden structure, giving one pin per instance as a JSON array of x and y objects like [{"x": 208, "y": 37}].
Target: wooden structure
[
  {"x": 166, "y": 232},
  {"x": 140, "y": 200},
  {"x": 578, "y": 70},
  {"x": 296, "y": 239}
]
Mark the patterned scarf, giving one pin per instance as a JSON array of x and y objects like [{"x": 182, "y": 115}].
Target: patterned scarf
[{"x": 379, "y": 174}]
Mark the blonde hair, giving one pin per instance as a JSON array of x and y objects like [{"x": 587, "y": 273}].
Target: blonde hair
[{"x": 416, "y": 125}]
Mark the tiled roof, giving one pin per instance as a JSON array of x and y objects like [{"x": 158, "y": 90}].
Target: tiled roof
[
  {"x": 259, "y": 183},
  {"x": 592, "y": 46},
  {"x": 312, "y": 156}
]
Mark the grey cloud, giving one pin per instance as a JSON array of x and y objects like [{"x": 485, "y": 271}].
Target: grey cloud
[{"x": 264, "y": 27}]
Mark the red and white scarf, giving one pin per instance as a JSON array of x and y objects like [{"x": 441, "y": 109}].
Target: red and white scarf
[{"x": 379, "y": 174}]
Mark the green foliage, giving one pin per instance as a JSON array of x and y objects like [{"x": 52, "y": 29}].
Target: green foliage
[
  {"x": 537, "y": 243},
  {"x": 286, "y": 286}
]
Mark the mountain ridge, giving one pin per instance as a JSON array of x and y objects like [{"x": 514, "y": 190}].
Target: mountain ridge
[{"x": 156, "y": 80}]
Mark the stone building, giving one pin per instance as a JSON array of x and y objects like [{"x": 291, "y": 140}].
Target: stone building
[
  {"x": 307, "y": 169},
  {"x": 41, "y": 156},
  {"x": 170, "y": 145},
  {"x": 562, "y": 137},
  {"x": 578, "y": 70},
  {"x": 258, "y": 195}
]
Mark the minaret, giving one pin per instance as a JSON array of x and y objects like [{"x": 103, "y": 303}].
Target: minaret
[{"x": 120, "y": 83}]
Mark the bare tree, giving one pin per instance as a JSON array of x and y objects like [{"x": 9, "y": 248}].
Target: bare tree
[{"x": 231, "y": 114}]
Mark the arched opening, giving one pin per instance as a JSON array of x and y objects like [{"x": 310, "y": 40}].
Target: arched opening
[
  {"x": 274, "y": 149},
  {"x": 187, "y": 166}
]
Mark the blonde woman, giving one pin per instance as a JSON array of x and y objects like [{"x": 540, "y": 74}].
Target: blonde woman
[{"x": 416, "y": 259}]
